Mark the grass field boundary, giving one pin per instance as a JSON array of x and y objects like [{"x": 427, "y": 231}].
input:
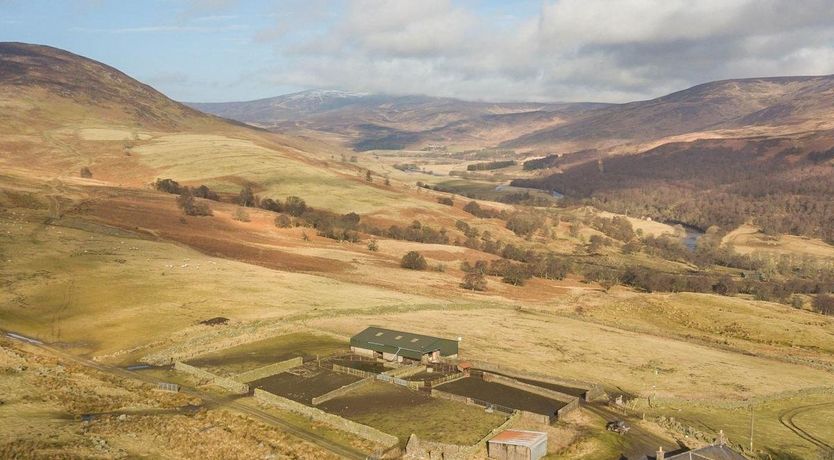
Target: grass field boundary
[
  {"x": 229, "y": 384},
  {"x": 335, "y": 421},
  {"x": 269, "y": 370},
  {"x": 340, "y": 391}
]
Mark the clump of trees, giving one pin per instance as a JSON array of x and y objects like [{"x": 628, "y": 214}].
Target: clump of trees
[
  {"x": 824, "y": 304},
  {"x": 474, "y": 278},
  {"x": 484, "y": 213},
  {"x": 413, "y": 260},
  {"x": 190, "y": 206},
  {"x": 490, "y": 165}
]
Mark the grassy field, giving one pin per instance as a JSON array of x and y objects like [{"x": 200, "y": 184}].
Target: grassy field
[
  {"x": 401, "y": 412},
  {"x": 242, "y": 358}
]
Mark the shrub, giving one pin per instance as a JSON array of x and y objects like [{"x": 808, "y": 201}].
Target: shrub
[
  {"x": 474, "y": 281},
  {"x": 190, "y": 206},
  {"x": 241, "y": 215},
  {"x": 373, "y": 246},
  {"x": 246, "y": 197},
  {"x": 414, "y": 261},
  {"x": 295, "y": 206},
  {"x": 824, "y": 303},
  {"x": 168, "y": 186},
  {"x": 283, "y": 221},
  {"x": 86, "y": 173}
]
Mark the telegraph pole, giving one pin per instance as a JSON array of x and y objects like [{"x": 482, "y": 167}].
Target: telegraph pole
[{"x": 751, "y": 428}]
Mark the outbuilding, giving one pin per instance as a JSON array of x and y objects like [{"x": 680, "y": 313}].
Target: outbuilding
[
  {"x": 518, "y": 445},
  {"x": 391, "y": 345}
]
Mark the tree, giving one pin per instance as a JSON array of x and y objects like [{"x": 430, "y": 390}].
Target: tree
[
  {"x": 246, "y": 197},
  {"x": 413, "y": 261},
  {"x": 824, "y": 303},
  {"x": 168, "y": 186},
  {"x": 271, "y": 205},
  {"x": 373, "y": 246},
  {"x": 368, "y": 176},
  {"x": 190, "y": 206},
  {"x": 283, "y": 221},
  {"x": 86, "y": 173},
  {"x": 516, "y": 274},
  {"x": 241, "y": 215},
  {"x": 387, "y": 181},
  {"x": 448, "y": 201},
  {"x": 295, "y": 206},
  {"x": 474, "y": 279}
]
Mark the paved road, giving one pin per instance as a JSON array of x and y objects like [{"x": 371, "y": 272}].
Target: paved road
[{"x": 211, "y": 400}]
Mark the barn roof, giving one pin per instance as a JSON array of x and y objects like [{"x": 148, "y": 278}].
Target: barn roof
[
  {"x": 520, "y": 438},
  {"x": 400, "y": 343}
]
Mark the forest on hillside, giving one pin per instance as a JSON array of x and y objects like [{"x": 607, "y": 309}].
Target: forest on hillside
[{"x": 773, "y": 183}]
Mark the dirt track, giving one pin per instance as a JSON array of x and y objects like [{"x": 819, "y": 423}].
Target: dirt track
[{"x": 786, "y": 418}]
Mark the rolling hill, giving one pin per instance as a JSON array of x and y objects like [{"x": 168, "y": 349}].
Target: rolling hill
[
  {"x": 371, "y": 121},
  {"x": 772, "y": 106}
]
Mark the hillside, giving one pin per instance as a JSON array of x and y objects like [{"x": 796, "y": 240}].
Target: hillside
[
  {"x": 371, "y": 121},
  {"x": 746, "y": 106},
  {"x": 300, "y": 244}
]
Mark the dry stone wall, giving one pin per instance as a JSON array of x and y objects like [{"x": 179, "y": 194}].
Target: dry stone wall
[
  {"x": 228, "y": 384},
  {"x": 266, "y": 371},
  {"x": 341, "y": 423}
]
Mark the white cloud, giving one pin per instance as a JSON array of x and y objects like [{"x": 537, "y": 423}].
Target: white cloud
[{"x": 573, "y": 50}]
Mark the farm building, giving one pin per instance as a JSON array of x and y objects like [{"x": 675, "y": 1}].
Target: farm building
[
  {"x": 390, "y": 345},
  {"x": 518, "y": 445}
]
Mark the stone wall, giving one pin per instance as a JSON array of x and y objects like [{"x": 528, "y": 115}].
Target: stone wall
[
  {"x": 421, "y": 449},
  {"x": 266, "y": 371},
  {"x": 340, "y": 391},
  {"x": 228, "y": 384},
  {"x": 546, "y": 392},
  {"x": 341, "y": 423}
]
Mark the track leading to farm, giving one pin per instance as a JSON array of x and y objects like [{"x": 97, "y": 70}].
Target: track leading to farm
[{"x": 786, "y": 418}]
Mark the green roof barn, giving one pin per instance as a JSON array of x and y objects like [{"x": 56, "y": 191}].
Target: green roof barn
[{"x": 396, "y": 345}]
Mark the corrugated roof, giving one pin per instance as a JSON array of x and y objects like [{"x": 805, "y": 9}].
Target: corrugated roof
[
  {"x": 520, "y": 437},
  {"x": 403, "y": 343}
]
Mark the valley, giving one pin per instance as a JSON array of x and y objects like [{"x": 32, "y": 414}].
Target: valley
[{"x": 109, "y": 269}]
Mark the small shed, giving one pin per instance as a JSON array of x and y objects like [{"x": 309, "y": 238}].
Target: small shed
[{"x": 518, "y": 445}]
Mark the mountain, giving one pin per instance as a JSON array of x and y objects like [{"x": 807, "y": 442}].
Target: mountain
[
  {"x": 745, "y": 106},
  {"x": 365, "y": 121},
  {"x": 59, "y": 86}
]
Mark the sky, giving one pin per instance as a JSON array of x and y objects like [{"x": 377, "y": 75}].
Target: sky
[{"x": 536, "y": 50}]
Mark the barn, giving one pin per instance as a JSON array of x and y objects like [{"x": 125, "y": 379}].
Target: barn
[
  {"x": 518, "y": 445},
  {"x": 399, "y": 346}
]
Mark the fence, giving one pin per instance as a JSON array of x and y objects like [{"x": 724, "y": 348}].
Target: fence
[
  {"x": 397, "y": 381},
  {"x": 446, "y": 379},
  {"x": 229, "y": 384},
  {"x": 406, "y": 371},
  {"x": 340, "y": 423},
  {"x": 340, "y": 391},
  {"x": 355, "y": 372},
  {"x": 266, "y": 371},
  {"x": 164, "y": 386}
]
